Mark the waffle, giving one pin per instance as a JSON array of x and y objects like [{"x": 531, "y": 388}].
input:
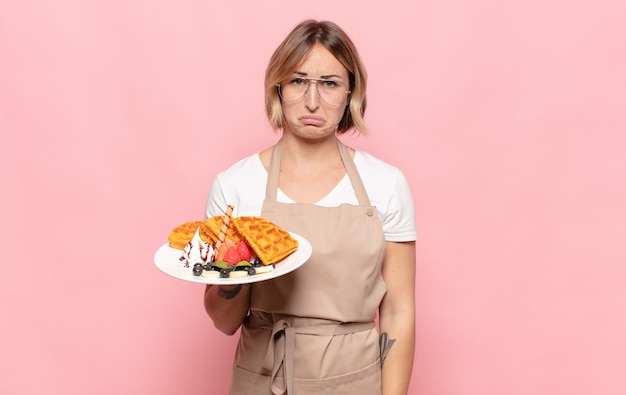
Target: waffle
[
  {"x": 210, "y": 230},
  {"x": 181, "y": 235},
  {"x": 269, "y": 242}
]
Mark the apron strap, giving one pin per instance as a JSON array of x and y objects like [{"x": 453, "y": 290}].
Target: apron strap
[
  {"x": 272, "y": 174},
  {"x": 279, "y": 356},
  {"x": 353, "y": 173},
  {"x": 355, "y": 179}
]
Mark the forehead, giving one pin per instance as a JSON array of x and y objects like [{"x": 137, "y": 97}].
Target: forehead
[{"x": 319, "y": 61}]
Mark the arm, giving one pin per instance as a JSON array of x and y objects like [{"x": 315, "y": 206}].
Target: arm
[
  {"x": 227, "y": 306},
  {"x": 397, "y": 316}
]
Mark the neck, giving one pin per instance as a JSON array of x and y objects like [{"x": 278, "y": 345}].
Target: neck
[{"x": 297, "y": 151}]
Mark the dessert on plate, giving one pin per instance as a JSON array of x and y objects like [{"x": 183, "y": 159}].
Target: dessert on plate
[{"x": 230, "y": 247}]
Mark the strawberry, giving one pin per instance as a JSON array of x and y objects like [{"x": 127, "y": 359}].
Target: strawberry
[
  {"x": 244, "y": 251},
  {"x": 219, "y": 255},
  {"x": 231, "y": 256}
]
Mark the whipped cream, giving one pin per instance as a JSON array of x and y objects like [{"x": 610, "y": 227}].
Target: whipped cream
[{"x": 196, "y": 251}]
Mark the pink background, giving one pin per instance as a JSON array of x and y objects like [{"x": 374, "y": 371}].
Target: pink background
[{"x": 507, "y": 117}]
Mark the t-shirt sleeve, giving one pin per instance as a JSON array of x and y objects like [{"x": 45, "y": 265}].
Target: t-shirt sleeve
[
  {"x": 242, "y": 185},
  {"x": 216, "y": 201},
  {"x": 399, "y": 221}
]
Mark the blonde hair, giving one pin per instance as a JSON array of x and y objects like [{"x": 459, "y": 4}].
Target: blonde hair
[{"x": 290, "y": 54}]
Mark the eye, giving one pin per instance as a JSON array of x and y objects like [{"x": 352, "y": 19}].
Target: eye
[
  {"x": 330, "y": 84},
  {"x": 298, "y": 81}
]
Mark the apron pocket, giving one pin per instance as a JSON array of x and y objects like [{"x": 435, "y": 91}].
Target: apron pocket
[
  {"x": 245, "y": 382},
  {"x": 365, "y": 381}
]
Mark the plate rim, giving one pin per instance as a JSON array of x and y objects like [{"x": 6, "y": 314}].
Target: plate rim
[{"x": 304, "y": 247}]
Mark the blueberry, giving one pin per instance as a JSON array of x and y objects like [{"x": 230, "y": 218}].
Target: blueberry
[
  {"x": 197, "y": 269},
  {"x": 224, "y": 273},
  {"x": 251, "y": 271}
]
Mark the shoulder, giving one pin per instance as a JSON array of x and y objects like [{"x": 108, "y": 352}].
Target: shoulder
[
  {"x": 242, "y": 185},
  {"x": 245, "y": 167},
  {"x": 388, "y": 190},
  {"x": 373, "y": 169},
  {"x": 367, "y": 159}
]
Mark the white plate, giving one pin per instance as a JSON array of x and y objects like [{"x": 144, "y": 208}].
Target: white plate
[{"x": 167, "y": 259}]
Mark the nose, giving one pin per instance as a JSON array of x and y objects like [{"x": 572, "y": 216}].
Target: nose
[{"x": 312, "y": 96}]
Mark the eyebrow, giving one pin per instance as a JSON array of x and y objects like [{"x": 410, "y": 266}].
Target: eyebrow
[{"x": 302, "y": 73}]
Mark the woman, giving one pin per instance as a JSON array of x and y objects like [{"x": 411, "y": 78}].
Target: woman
[{"x": 313, "y": 331}]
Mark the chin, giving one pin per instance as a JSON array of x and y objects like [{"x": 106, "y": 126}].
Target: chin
[
  {"x": 315, "y": 131},
  {"x": 315, "y": 136}
]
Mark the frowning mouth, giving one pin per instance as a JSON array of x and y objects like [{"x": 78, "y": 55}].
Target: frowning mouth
[{"x": 312, "y": 120}]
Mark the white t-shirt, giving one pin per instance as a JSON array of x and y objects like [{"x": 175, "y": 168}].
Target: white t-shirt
[{"x": 243, "y": 185}]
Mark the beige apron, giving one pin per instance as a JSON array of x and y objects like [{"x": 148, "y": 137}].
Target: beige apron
[{"x": 312, "y": 331}]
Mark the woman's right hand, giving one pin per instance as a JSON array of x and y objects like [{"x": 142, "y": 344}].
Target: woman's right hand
[{"x": 227, "y": 305}]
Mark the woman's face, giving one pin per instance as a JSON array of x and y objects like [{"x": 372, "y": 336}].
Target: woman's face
[{"x": 311, "y": 117}]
